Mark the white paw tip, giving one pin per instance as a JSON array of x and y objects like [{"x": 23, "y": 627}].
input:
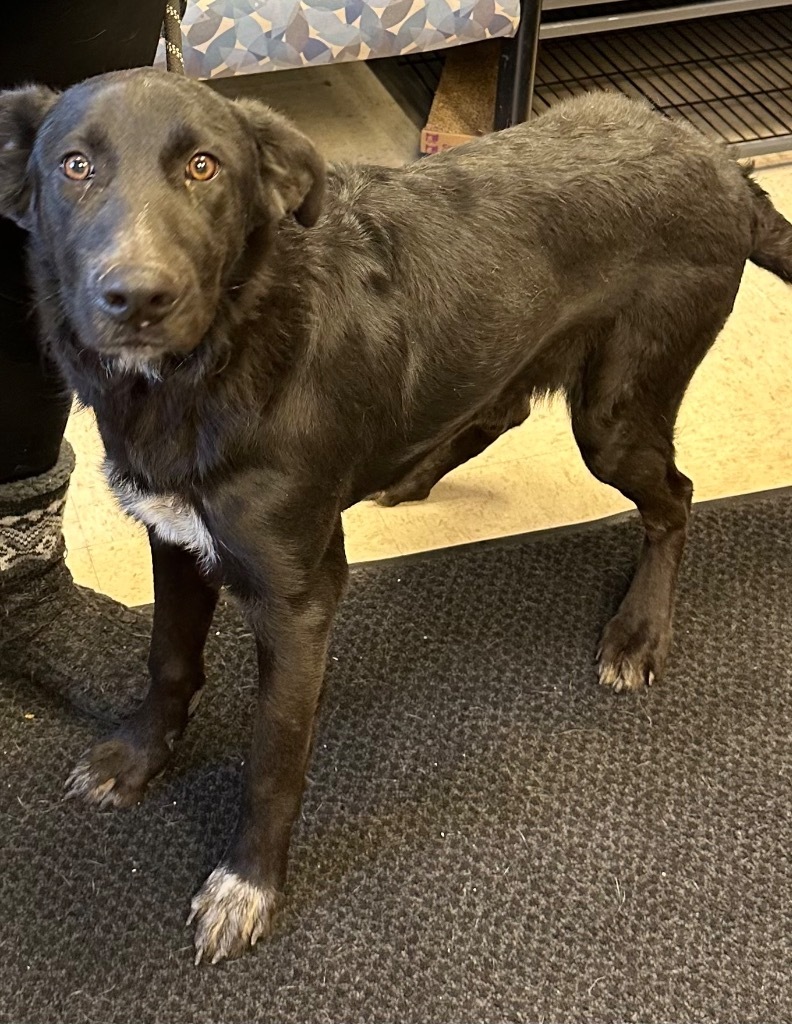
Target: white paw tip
[{"x": 231, "y": 914}]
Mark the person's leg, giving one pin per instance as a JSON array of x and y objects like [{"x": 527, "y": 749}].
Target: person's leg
[
  {"x": 34, "y": 404},
  {"x": 57, "y": 44},
  {"x": 49, "y": 628}
]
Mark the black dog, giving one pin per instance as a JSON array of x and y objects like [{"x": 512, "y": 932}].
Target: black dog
[{"x": 265, "y": 345}]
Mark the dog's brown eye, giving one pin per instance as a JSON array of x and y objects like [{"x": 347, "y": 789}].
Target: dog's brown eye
[
  {"x": 202, "y": 167},
  {"x": 77, "y": 167}
]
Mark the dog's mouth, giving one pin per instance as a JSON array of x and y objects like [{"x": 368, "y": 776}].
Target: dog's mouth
[
  {"x": 144, "y": 338},
  {"x": 139, "y": 344},
  {"x": 148, "y": 359}
]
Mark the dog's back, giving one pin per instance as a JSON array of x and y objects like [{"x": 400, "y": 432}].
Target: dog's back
[
  {"x": 599, "y": 216},
  {"x": 596, "y": 177}
]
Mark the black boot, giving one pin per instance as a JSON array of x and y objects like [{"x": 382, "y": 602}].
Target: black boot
[{"x": 85, "y": 646}]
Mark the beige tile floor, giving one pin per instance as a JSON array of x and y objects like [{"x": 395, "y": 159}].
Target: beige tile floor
[{"x": 735, "y": 428}]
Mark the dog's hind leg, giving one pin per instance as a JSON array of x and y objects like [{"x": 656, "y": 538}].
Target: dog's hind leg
[
  {"x": 116, "y": 771},
  {"x": 509, "y": 412},
  {"x": 623, "y": 412}
]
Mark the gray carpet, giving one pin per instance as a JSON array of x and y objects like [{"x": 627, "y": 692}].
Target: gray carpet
[{"x": 487, "y": 835}]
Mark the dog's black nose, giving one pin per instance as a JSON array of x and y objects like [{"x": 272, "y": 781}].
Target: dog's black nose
[{"x": 139, "y": 295}]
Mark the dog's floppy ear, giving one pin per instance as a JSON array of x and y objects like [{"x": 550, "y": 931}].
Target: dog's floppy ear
[
  {"x": 21, "y": 114},
  {"x": 290, "y": 163}
]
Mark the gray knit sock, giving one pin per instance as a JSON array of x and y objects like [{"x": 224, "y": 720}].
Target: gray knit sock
[
  {"x": 31, "y": 516},
  {"x": 86, "y": 647}
]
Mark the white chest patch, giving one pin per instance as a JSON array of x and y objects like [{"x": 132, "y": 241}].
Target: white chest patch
[{"x": 172, "y": 519}]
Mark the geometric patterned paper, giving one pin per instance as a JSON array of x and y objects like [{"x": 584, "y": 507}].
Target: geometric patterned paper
[{"x": 236, "y": 37}]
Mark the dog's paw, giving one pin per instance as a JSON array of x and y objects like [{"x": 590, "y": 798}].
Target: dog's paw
[
  {"x": 230, "y": 915},
  {"x": 114, "y": 774},
  {"x": 631, "y": 657}
]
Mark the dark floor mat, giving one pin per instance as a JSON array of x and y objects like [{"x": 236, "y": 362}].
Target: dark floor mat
[{"x": 487, "y": 835}]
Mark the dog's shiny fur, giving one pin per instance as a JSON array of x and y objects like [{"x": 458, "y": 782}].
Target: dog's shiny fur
[{"x": 354, "y": 332}]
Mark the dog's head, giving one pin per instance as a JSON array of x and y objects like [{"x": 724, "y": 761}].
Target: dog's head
[{"x": 142, "y": 193}]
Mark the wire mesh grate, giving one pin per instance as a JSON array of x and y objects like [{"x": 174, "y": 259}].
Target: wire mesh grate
[{"x": 730, "y": 76}]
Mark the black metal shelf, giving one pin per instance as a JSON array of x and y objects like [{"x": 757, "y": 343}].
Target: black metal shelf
[
  {"x": 614, "y": 15},
  {"x": 729, "y": 76}
]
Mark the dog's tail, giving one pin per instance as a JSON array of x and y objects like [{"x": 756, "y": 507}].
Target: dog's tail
[{"x": 772, "y": 235}]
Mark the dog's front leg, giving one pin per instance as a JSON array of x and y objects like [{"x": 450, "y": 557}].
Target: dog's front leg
[
  {"x": 291, "y": 600},
  {"x": 116, "y": 771}
]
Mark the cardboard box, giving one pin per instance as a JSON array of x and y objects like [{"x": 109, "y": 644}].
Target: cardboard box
[{"x": 464, "y": 104}]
